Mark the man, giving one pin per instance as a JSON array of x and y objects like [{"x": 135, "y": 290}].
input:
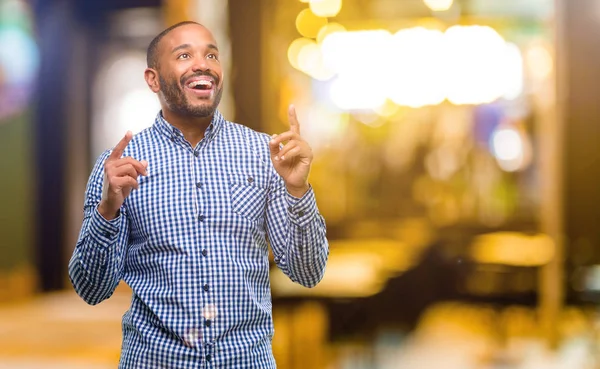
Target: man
[{"x": 182, "y": 213}]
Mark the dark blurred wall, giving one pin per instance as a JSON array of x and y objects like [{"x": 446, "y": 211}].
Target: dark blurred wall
[
  {"x": 579, "y": 98},
  {"x": 71, "y": 33}
]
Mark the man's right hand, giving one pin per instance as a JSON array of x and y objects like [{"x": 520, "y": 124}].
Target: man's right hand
[{"x": 120, "y": 178}]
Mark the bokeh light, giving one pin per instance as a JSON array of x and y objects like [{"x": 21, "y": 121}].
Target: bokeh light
[
  {"x": 308, "y": 23},
  {"x": 326, "y": 8},
  {"x": 439, "y": 5},
  {"x": 19, "y": 57}
]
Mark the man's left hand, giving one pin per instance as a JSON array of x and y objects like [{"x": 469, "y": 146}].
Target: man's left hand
[{"x": 292, "y": 156}]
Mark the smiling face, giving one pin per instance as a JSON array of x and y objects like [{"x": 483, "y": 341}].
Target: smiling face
[{"x": 188, "y": 75}]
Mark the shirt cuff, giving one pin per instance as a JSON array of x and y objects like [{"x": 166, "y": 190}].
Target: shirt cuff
[
  {"x": 301, "y": 210},
  {"x": 104, "y": 231}
]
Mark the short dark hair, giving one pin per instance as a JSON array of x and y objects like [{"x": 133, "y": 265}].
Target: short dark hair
[{"x": 152, "y": 53}]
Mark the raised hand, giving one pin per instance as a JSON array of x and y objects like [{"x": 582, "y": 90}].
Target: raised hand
[
  {"x": 292, "y": 156},
  {"x": 120, "y": 178}
]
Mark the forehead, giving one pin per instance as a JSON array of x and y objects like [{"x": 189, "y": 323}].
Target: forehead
[{"x": 192, "y": 34}]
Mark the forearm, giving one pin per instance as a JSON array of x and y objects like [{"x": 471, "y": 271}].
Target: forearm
[
  {"x": 96, "y": 266},
  {"x": 300, "y": 244}
]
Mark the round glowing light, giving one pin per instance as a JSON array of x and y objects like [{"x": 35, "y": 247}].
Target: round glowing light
[
  {"x": 539, "y": 62},
  {"x": 507, "y": 144},
  {"x": 475, "y": 58},
  {"x": 308, "y": 58},
  {"x": 328, "y": 29},
  {"x": 308, "y": 24},
  {"x": 415, "y": 68},
  {"x": 349, "y": 52},
  {"x": 438, "y": 5},
  {"x": 310, "y": 61},
  {"x": 19, "y": 57},
  {"x": 511, "y": 148},
  {"x": 294, "y": 50},
  {"x": 326, "y": 8}
]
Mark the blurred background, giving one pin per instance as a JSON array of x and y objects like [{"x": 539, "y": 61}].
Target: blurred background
[{"x": 456, "y": 164}]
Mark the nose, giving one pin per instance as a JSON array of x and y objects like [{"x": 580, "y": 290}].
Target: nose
[{"x": 200, "y": 65}]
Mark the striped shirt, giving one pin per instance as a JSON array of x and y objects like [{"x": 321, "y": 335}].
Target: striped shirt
[{"x": 192, "y": 243}]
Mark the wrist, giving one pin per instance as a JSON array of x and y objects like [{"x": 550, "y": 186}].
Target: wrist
[
  {"x": 296, "y": 191},
  {"x": 108, "y": 212}
]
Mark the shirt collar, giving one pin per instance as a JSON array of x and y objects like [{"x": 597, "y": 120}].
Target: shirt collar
[{"x": 172, "y": 132}]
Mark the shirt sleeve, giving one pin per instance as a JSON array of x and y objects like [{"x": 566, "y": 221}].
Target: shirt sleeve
[
  {"x": 297, "y": 234},
  {"x": 96, "y": 266}
]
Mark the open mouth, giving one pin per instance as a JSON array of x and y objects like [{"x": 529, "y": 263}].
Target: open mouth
[{"x": 201, "y": 85}]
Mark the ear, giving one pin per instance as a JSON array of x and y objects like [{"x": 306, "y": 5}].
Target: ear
[{"x": 151, "y": 76}]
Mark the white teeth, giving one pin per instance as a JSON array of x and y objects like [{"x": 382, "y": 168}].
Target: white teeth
[{"x": 200, "y": 82}]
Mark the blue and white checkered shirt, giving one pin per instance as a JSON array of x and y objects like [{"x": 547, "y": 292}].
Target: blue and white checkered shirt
[{"x": 191, "y": 242}]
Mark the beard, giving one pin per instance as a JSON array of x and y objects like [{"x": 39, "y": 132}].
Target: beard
[{"x": 176, "y": 99}]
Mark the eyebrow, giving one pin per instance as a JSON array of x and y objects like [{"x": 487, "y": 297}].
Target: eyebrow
[{"x": 187, "y": 46}]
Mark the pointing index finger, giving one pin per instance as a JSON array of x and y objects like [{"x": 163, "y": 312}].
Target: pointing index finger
[
  {"x": 120, "y": 147},
  {"x": 294, "y": 124}
]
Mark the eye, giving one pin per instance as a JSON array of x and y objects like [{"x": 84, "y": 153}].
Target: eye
[
  {"x": 213, "y": 56},
  {"x": 184, "y": 56}
]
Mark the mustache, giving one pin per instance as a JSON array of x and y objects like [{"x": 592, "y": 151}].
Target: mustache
[{"x": 200, "y": 74}]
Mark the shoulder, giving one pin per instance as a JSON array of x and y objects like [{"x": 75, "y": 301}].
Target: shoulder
[
  {"x": 244, "y": 131},
  {"x": 249, "y": 139}
]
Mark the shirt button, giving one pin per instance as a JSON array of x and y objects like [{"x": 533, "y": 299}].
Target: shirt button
[
  {"x": 204, "y": 252},
  {"x": 301, "y": 213},
  {"x": 107, "y": 234},
  {"x": 208, "y": 357},
  {"x": 201, "y": 218},
  {"x": 196, "y": 153},
  {"x": 199, "y": 185},
  {"x": 205, "y": 287},
  {"x": 207, "y": 323},
  {"x": 250, "y": 179}
]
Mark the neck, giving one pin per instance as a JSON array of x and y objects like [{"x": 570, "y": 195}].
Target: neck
[{"x": 193, "y": 128}]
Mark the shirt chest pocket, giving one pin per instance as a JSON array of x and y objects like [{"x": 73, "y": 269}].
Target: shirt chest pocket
[{"x": 248, "y": 195}]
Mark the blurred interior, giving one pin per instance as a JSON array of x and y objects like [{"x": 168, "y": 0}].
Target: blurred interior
[{"x": 455, "y": 164}]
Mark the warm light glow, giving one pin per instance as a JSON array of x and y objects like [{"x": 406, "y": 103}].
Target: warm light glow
[
  {"x": 388, "y": 109},
  {"x": 349, "y": 52},
  {"x": 326, "y": 8},
  {"x": 513, "y": 72},
  {"x": 308, "y": 24},
  {"x": 438, "y": 5},
  {"x": 345, "y": 53},
  {"x": 309, "y": 56},
  {"x": 349, "y": 94},
  {"x": 323, "y": 125},
  {"x": 294, "y": 51},
  {"x": 415, "y": 67},
  {"x": 513, "y": 248},
  {"x": 539, "y": 62},
  {"x": 475, "y": 59},
  {"x": 356, "y": 268},
  {"x": 310, "y": 61},
  {"x": 511, "y": 148},
  {"x": 329, "y": 29},
  {"x": 507, "y": 144}
]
